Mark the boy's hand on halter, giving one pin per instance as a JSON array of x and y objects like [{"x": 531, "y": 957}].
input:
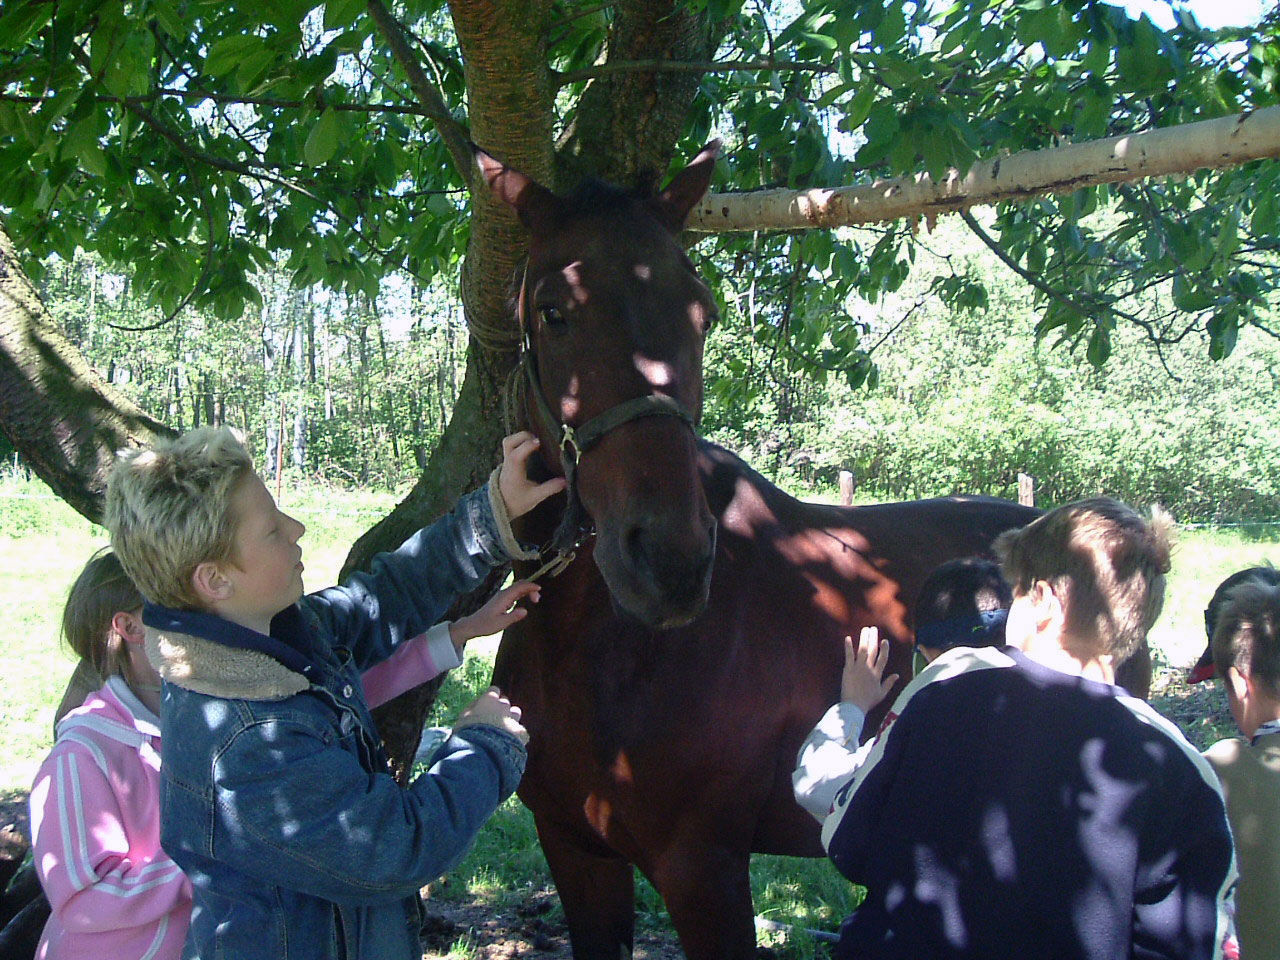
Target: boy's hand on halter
[
  {"x": 495, "y": 616},
  {"x": 519, "y": 493},
  {"x": 864, "y": 664},
  {"x": 492, "y": 709}
]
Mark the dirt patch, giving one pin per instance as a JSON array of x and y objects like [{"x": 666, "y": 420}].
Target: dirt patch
[
  {"x": 532, "y": 928},
  {"x": 1200, "y": 710}
]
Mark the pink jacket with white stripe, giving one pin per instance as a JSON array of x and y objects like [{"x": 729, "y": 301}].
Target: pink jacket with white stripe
[{"x": 95, "y": 819}]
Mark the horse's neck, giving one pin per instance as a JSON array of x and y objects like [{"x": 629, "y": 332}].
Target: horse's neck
[{"x": 737, "y": 494}]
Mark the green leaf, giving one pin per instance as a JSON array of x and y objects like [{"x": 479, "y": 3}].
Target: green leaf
[
  {"x": 1223, "y": 329},
  {"x": 22, "y": 20},
  {"x": 822, "y": 41},
  {"x": 322, "y": 141},
  {"x": 1263, "y": 221},
  {"x": 171, "y": 19},
  {"x": 1099, "y": 348},
  {"x": 226, "y": 54},
  {"x": 859, "y": 107},
  {"x": 342, "y": 13}
]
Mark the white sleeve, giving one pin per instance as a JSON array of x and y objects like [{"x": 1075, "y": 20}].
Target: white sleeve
[{"x": 828, "y": 757}]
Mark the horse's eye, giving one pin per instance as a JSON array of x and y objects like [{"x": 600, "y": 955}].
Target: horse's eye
[{"x": 551, "y": 316}]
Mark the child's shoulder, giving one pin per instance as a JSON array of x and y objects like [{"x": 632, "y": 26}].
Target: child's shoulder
[{"x": 1238, "y": 757}]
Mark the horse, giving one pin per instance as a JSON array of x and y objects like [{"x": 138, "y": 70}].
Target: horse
[{"x": 694, "y": 635}]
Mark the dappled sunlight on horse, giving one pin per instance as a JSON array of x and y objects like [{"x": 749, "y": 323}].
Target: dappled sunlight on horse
[{"x": 670, "y": 672}]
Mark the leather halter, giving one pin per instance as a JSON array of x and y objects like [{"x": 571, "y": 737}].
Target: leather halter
[{"x": 574, "y": 525}]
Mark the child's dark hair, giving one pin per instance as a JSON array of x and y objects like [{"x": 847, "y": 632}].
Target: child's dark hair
[
  {"x": 962, "y": 603},
  {"x": 1246, "y": 634},
  {"x": 101, "y": 590},
  {"x": 1265, "y": 574}
]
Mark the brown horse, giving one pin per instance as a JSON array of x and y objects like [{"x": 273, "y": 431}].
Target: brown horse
[{"x": 669, "y": 674}]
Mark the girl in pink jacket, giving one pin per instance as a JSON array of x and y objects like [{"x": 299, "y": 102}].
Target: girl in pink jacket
[{"x": 95, "y": 823}]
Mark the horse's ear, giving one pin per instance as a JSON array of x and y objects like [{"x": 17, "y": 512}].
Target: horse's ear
[
  {"x": 686, "y": 188},
  {"x": 535, "y": 205}
]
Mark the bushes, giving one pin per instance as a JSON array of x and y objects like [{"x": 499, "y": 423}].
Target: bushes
[{"x": 965, "y": 405}]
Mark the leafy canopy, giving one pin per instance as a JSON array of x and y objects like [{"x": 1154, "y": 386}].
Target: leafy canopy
[{"x": 196, "y": 141}]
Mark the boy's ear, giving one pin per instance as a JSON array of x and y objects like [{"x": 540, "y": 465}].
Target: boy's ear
[
  {"x": 1048, "y": 607},
  {"x": 129, "y": 626},
  {"x": 210, "y": 583},
  {"x": 1238, "y": 684}
]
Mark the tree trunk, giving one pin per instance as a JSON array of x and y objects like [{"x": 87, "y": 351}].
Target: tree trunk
[
  {"x": 57, "y": 412},
  {"x": 1168, "y": 151},
  {"x": 627, "y": 124}
]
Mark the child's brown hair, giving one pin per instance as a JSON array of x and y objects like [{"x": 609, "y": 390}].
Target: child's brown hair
[
  {"x": 1105, "y": 563},
  {"x": 1246, "y": 634},
  {"x": 100, "y": 591}
]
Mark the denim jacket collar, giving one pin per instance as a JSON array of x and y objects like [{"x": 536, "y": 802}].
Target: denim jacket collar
[{"x": 207, "y": 654}]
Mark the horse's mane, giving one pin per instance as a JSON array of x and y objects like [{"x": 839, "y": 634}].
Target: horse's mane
[{"x": 596, "y": 197}]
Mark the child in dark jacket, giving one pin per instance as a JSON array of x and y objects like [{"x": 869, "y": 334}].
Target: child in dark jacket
[
  {"x": 1017, "y": 803},
  {"x": 276, "y": 799},
  {"x": 962, "y": 603}
]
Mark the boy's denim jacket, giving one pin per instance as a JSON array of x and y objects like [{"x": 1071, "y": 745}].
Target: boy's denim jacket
[{"x": 276, "y": 798}]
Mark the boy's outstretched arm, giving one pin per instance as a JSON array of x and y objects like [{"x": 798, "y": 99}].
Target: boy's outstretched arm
[
  {"x": 407, "y": 590},
  {"x": 430, "y": 654}
]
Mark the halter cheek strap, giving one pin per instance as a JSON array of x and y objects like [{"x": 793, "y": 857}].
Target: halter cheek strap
[{"x": 575, "y": 441}]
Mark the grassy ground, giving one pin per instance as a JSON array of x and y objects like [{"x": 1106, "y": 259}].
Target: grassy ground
[{"x": 43, "y": 543}]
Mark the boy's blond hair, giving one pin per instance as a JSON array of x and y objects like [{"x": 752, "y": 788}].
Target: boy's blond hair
[
  {"x": 1246, "y": 634},
  {"x": 1106, "y": 564},
  {"x": 169, "y": 510},
  {"x": 100, "y": 592}
]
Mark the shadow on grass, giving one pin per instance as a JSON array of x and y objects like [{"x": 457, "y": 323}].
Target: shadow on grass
[{"x": 1200, "y": 710}]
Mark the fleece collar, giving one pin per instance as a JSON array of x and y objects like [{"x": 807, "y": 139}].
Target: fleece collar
[{"x": 204, "y": 653}]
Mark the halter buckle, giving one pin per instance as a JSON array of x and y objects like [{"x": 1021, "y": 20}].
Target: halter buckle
[{"x": 569, "y": 439}]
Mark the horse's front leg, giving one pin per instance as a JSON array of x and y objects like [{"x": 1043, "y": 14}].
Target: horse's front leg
[
  {"x": 707, "y": 890},
  {"x": 597, "y": 891}
]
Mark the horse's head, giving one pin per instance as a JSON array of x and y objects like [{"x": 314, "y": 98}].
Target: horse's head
[{"x": 614, "y": 317}]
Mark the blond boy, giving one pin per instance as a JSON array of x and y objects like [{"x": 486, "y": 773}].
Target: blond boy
[
  {"x": 1017, "y": 803},
  {"x": 276, "y": 799},
  {"x": 1246, "y": 654}
]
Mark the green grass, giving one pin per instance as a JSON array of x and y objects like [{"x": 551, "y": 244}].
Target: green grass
[{"x": 43, "y": 544}]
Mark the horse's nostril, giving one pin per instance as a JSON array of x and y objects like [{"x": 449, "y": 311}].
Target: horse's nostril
[{"x": 634, "y": 543}]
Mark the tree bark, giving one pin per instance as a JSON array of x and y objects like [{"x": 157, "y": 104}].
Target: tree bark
[
  {"x": 1168, "y": 151},
  {"x": 626, "y": 124},
  {"x": 64, "y": 419}
]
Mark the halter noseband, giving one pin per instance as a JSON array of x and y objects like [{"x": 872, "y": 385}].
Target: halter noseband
[{"x": 575, "y": 441}]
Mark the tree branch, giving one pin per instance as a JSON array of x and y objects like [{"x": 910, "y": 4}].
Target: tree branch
[
  {"x": 455, "y": 135},
  {"x": 677, "y": 66},
  {"x": 1169, "y": 151},
  {"x": 222, "y": 98}
]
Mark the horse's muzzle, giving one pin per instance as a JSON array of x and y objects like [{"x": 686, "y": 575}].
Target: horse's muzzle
[{"x": 655, "y": 577}]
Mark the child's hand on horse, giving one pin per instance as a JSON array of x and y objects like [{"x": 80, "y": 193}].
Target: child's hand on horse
[
  {"x": 498, "y": 613},
  {"x": 492, "y": 709},
  {"x": 864, "y": 664},
  {"x": 519, "y": 493}
]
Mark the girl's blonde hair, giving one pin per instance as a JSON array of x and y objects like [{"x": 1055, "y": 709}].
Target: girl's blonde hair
[{"x": 99, "y": 593}]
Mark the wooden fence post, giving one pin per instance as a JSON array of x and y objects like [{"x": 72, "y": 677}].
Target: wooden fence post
[
  {"x": 1026, "y": 490},
  {"x": 846, "y": 488}
]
